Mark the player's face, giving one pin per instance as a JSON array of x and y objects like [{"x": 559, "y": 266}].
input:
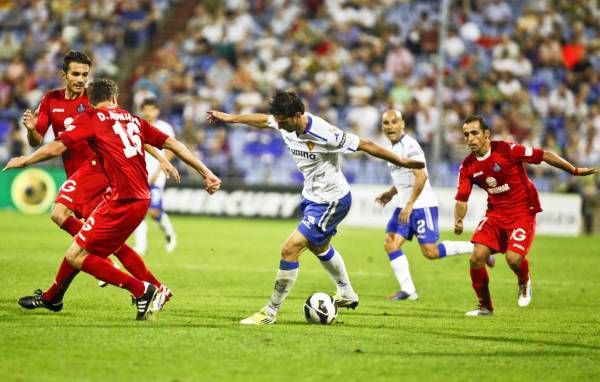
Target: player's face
[
  {"x": 293, "y": 123},
  {"x": 392, "y": 125},
  {"x": 76, "y": 77},
  {"x": 477, "y": 138},
  {"x": 150, "y": 113}
]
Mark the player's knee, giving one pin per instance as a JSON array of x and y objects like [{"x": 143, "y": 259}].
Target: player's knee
[
  {"x": 154, "y": 213},
  {"x": 74, "y": 258},
  {"x": 513, "y": 259},
  {"x": 477, "y": 261},
  {"x": 59, "y": 215},
  {"x": 390, "y": 245},
  {"x": 289, "y": 253},
  {"x": 431, "y": 253}
]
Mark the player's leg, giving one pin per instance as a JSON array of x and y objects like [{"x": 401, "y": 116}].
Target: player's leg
[
  {"x": 161, "y": 218},
  {"x": 141, "y": 238},
  {"x": 520, "y": 240},
  {"x": 396, "y": 234},
  {"x": 480, "y": 281},
  {"x": 318, "y": 226},
  {"x": 284, "y": 281}
]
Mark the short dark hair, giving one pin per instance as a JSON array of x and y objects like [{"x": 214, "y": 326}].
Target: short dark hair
[
  {"x": 102, "y": 89},
  {"x": 285, "y": 104},
  {"x": 478, "y": 118},
  {"x": 75, "y": 56},
  {"x": 149, "y": 102}
]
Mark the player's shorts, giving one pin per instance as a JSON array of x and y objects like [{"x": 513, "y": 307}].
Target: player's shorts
[
  {"x": 506, "y": 234},
  {"x": 111, "y": 223},
  {"x": 84, "y": 189},
  {"x": 423, "y": 223},
  {"x": 156, "y": 197},
  {"x": 320, "y": 220}
]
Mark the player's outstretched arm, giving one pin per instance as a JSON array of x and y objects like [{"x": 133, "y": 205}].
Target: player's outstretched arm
[
  {"x": 166, "y": 166},
  {"x": 211, "y": 181},
  {"x": 460, "y": 211},
  {"x": 381, "y": 152},
  {"x": 49, "y": 150},
  {"x": 559, "y": 162},
  {"x": 33, "y": 137},
  {"x": 256, "y": 120}
]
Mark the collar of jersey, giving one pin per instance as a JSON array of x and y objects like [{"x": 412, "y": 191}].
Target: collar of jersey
[
  {"x": 308, "y": 125},
  {"x": 485, "y": 156}
]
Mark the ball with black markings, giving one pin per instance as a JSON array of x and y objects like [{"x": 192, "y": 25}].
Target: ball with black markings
[{"x": 320, "y": 308}]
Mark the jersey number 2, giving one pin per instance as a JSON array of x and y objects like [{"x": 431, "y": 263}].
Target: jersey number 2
[{"x": 132, "y": 143}]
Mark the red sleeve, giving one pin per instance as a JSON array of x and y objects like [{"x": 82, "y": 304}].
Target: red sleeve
[
  {"x": 81, "y": 129},
  {"x": 152, "y": 135},
  {"x": 522, "y": 153},
  {"x": 464, "y": 185},
  {"x": 43, "y": 116}
]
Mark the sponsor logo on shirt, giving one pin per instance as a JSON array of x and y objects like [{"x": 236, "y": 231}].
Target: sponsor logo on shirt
[
  {"x": 498, "y": 190},
  {"x": 342, "y": 140},
  {"x": 58, "y": 110},
  {"x": 303, "y": 154}
]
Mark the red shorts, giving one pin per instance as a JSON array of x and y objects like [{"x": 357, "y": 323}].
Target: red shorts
[
  {"x": 111, "y": 223},
  {"x": 84, "y": 189},
  {"x": 506, "y": 234}
]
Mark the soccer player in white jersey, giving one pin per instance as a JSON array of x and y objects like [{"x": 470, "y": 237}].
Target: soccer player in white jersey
[
  {"x": 417, "y": 212},
  {"x": 316, "y": 147},
  {"x": 156, "y": 180}
]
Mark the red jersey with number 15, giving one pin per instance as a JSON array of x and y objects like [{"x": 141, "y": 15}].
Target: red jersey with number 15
[
  {"x": 58, "y": 111},
  {"x": 502, "y": 175},
  {"x": 117, "y": 137}
]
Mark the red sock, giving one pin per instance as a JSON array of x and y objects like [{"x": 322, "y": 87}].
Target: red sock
[
  {"x": 135, "y": 265},
  {"x": 480, "y": 281},
  {"x": 103, "y": 269},
  {"x": 72, "y": 225},
  {"x": 66, "y": 273},
  {"x": 523, "y": 273}
]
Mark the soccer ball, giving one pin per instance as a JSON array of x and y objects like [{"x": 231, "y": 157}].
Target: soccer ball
[{"x": 320, "y": 308}]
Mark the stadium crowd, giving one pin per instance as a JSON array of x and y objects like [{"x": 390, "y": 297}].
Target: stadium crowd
[{"x": 531, "y": 68}]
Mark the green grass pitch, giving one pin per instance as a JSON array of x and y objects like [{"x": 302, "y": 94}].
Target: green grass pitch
[{"x": 223, "y": 270}]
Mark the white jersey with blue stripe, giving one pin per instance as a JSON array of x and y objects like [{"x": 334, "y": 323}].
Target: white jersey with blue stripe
[
  {"x": 317, "y": 153},
  {"x": 152, "y": 165},
  {"x": 404, "y": 179}
]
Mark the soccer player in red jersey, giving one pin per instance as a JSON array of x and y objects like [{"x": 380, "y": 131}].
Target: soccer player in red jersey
[
  {"x": 86, "y": 183},
  {"x": 117, "y": 138},
  {"x": 509, "y": 224}
]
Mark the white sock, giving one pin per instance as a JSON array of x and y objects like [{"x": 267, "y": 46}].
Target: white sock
[
  {"x": 165, "y": 224},
  {"x": 141, "y": 238},
  {"x": 453, "y": 248},
  {"x": 284, "y": 282},
  {"x": 333, "y": 263},
  {"x": 399, "y": 264}
]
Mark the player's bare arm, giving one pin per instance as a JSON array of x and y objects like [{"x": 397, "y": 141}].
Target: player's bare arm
[
  {"x": 48, "y": 151},
  {"x": 165, "y": 165},
  {"x": 256, "y": 120},
  {"x": 385, "y": 197},
  {"x": 381, "y": 152},
  {"x": 561, "y": 163},
  {"x": 29, "y": 120},
  {"x": 420, "y": 179},
  {"x": 211, "y": 182},
  {"x": 460, "y": 211}
]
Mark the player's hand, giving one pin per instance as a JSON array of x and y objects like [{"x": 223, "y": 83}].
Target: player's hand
[
  {"x": 212, "y": 183},
  {"x": 458, "y": 226},
  {"x": 584, "y": 171},
  {"x": 405, "y": 214},
  {"x": 29, "y": 120},
  {"x": 214, "y": 116},
  {"x": 170, "y": 171},
  {"x": 411, "y": 163},
  {"x": 15, "y": 162},
  {"x": 384, "y": 198}
]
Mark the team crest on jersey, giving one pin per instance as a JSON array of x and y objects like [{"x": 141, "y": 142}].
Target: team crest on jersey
[
  {"x": 491, "y": 181},
  {"x": 496, "y": 167},
  {"x": 81, "y": 108},
  {"x": 310, "y": 145}
]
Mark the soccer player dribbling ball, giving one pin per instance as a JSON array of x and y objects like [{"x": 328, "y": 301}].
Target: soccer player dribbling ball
[
  {"x": 513, "y": 202},
  {"x": 118, "y": 139}
]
